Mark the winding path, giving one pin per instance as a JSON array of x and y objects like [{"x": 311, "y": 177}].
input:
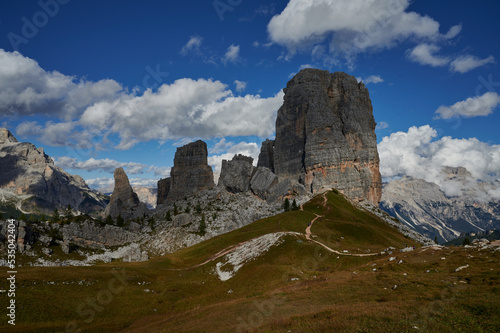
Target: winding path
[
  {"x": 308, "y": 229},
  {"x": 308, "y": 234}
]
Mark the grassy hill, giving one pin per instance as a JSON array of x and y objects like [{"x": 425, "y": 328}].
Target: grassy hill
[{"x": 296, "y": 285}]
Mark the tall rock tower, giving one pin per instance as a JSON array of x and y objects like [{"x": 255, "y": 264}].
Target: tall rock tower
[
  {"x": 124, "y": 201},
  {"x": 190, "y": 174},
  {"x": 325, "y": 135}
]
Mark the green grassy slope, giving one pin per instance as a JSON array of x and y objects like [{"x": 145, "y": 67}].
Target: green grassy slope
[{"x": 297, "y": 286}]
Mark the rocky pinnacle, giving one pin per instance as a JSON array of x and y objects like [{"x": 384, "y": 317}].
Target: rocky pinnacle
[
  {"x": 124, "y": 201},
  {"x": 325, "y": 135},
  {"x": 190, "y": 174}
]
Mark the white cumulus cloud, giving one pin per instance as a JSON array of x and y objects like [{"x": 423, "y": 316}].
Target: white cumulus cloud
[
  {"x": 467, "y": 63},
  {"x": 425, "y": 54},
  {"x": 109, "y": 165},
  {"x": 92, "y": 115},
  {"x": 193, "y": 44},
  {"x": 416, "y": 153},
  {"x": 240, "y": 85},
  {"x": 371, "y": 79},
  {"x": 382, "y": 125},
  {"x": 232, "y": 54},
  {"x": 352, "y": 26},
  {"x": 27, "y": 89},
  {"x": 186, "y": 108},
  {"x": 471, "y": 107},
  {"x": 107, "y": 184}
]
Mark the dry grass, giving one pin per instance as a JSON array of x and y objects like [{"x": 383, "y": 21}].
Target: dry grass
[{"x": 295, "y": 287}]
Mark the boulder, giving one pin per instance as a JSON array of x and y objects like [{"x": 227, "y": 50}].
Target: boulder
[
  {"x": 235, "y": 175},
  {"x": 182, "y": 220},
  {"x": 279, "y": 191},
  {"x": 47, "y": 251},
  {"x": 262, "y": 180}
]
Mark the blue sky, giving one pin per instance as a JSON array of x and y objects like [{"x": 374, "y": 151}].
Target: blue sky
[{"x": 102, "y": 84}]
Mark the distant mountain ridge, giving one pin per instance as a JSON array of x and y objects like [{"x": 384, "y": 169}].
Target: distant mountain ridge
[
  {"x": 30, "y": 178},
  {"x": 490, "y": 235},
  {"x": 425, "y": 207}
]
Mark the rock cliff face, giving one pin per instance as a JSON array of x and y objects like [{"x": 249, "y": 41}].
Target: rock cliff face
[
  {"x": 325, "y": 135},
  {"x": 124, "y": 201},
  {"x": 266, "y": 156},
  {"x": 163, "y": 189},
  {"x": 190, "y": 174},
  {"x": 27, "y": 170},
  {"x": 38, "y": 239}
]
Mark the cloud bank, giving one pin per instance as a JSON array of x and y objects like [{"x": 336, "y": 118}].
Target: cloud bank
[
  {"x": 416, "y": 153},
  {"x": 93, "y": 114},
  {"x": 351, "y": 27},
  {"x": 27, "y": 89},
  {"x": 109, "y": 165}
]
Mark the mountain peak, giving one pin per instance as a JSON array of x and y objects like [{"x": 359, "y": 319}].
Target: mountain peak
[{"x": 6, "y": 136}]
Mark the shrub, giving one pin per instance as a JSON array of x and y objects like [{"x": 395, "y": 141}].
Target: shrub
[
  {"x": 55, "y": 216},
  {"x": 109, "y": 220},
  {"x": 286, "y": 206},
  {"x": 120, "y": 221},
  {"x": 203, "y": 226},
  {"x": 151, "y": 223}
]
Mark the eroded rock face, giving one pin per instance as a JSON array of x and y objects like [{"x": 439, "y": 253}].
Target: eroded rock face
[
  {"x": 266, "y": 156},
  {"x": 190, "y": 174},
  {"x": 325, "y": 135},
  {"x": 235, "y": 175},
  {"x": 163, "y": 189},
  {"x": 88, "y": 234},
  {"x": 124, "y": 201},
  {"x": 27, "y": 170}
]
